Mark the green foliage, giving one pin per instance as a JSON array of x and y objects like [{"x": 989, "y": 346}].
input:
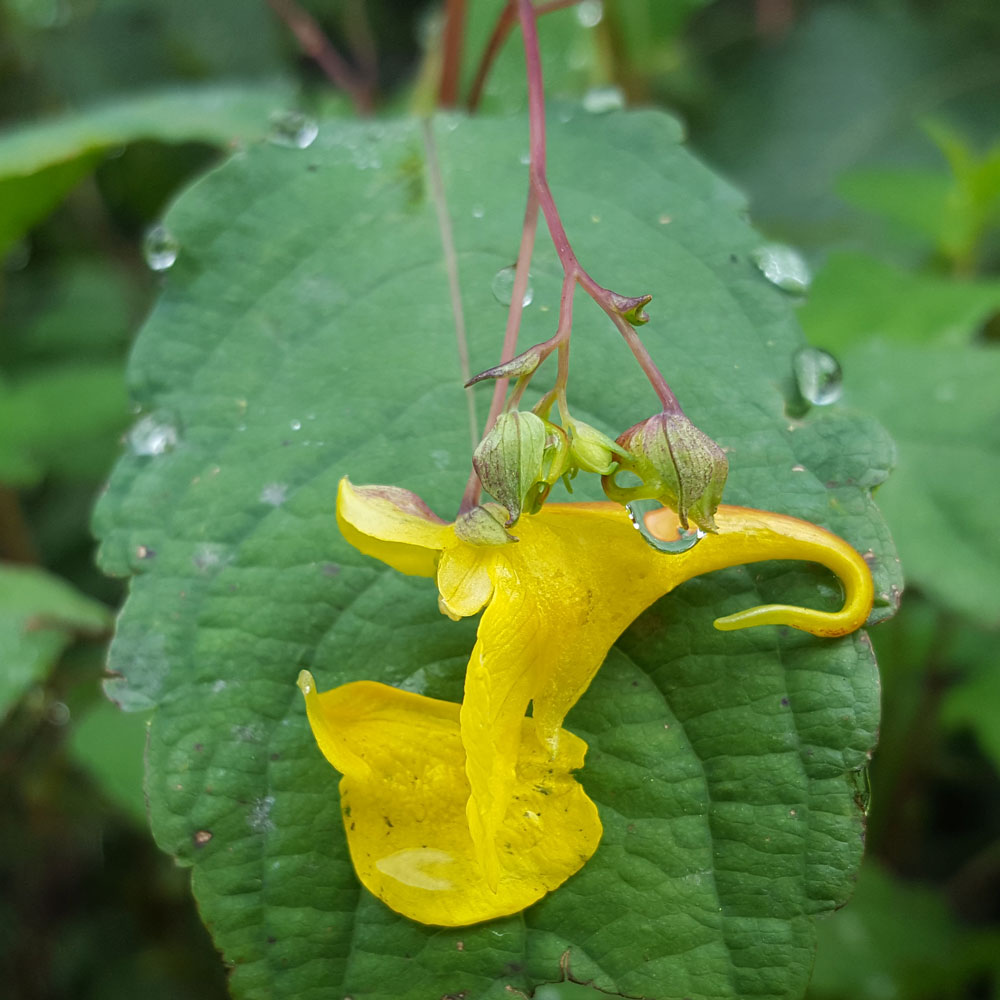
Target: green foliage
[
  {"x": 896, "y": 936},
  {"x": 724, "y": 765},
  {"x": 56, "y": 420},
  {"x": 39, "y": 617},
  {"x": 110, "y": 745},
  {"x": 41, "y": 161}
]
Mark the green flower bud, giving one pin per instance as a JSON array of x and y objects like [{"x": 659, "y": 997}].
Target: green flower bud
[
  {"x": 509, "y": 459},
  {"x": 555, "y": 463},
  {"x": 592, "y": 451},
  {"x": 679, "y": 465}
]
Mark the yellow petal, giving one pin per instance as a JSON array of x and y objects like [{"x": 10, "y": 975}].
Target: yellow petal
[
  {"x": 749, "y": 536},
  {"x": 579, "y": 575},
  {"x": 465, "y": 579},
  {"x": 393, "y": 525},
  {"x": 403, "y": 797}
]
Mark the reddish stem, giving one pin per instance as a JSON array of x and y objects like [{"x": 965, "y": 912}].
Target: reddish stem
[
  {"x": 506, "y": 21},
  {"x": 318, "y": 47},
  {"x": 451, "y": 70},
  {"x": 572, "y": 268}
]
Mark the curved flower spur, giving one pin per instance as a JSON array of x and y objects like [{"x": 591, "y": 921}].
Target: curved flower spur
[{"x": 458, "y": 814}]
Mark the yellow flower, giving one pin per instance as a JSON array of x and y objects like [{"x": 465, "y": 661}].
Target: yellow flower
[{"x": 554, "y": 603}]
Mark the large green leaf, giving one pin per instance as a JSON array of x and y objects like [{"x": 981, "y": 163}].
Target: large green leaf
[
  {"x": 306, "y": 332},
  {"x": 41, "y": 161}
]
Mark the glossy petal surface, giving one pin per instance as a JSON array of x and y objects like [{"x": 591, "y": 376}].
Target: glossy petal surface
[
  {"x": 403, "y": 796},
  {"x": 558, "y": 598}
]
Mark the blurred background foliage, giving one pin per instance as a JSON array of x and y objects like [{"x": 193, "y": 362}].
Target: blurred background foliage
[{"x": 867, "y": 136}]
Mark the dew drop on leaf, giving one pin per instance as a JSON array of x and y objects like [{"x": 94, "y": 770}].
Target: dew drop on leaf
[
  {"x": 152, "y": 435},
  {"x": 160, "y": 248},
  {"x": 783, "y": 266},
  {"x": 590, "y": 12},
  {"x": 601, "y": 100},
  {"x": 503, "y": 287},
  {"x": 818, "y": 376},
  {"x": 292, "y": 129}
]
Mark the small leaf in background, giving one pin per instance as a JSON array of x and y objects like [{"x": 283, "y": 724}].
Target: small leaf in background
[
  {"x": 61, "y": 421},
  {"x": 856, "y": 298},
  {"x": 41, "y": 161},
  {"x": 40, "y": 615},
  {"x": 897, "y": 940},
  {"x": 110, "y": 745}
]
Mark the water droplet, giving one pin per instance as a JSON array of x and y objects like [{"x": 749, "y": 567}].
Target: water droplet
[
  {"x": 503, "y": 287},
  {"x": 58, "y": 713},
  {"x": 783, "y": 266},
  {"x": 478, "y": 211},
  {"x": 152, "y": 435},
  {"x": 589, "y": 13},
  {"x": 296, "y": 425},
  {"x": 292, "y": 129},
  {"x": 687, "y": 538},
  {"x": 601, "y": 100},
  {"x": 818, "y": 376},
  {"x": 525, "y": 159},
  {"x": 274, "y": 494},
  {"x": 160, "y": 248}
]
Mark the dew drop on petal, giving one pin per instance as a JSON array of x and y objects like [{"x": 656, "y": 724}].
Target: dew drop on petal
[
  {"x": 784, "y": 267},
  {"x": 589, "y": 13},
  {"x": 292, "y": 129},
  {"x": 687, "y": 538},
  {"x": 601, "y": 100},
  {"x": 152, "y": 435},
  {"x": 160, "y": 248},
  {"x": 503, "y": 287},
  {"x": 818, "y": 376}
]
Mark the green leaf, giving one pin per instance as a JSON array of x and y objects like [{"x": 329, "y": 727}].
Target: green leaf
[
  {"x": 914, "y": 199},
  {"x": 868, "y": 952},
  {"x": 973, "y": 699},
  {"x": 62, "y": 421},
  {"x": 868, "y": 75},
  {"x": 41, "y": 161},
  {"x": 942, "y": 408},
  {"x": 109, "y": 743},
  {"x": 723, "y": 764},
  {"x": 857, "y": 298},
  {"x": 39, "y": 617}
]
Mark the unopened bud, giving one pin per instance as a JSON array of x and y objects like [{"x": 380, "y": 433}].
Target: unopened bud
[
  {"x": 555, "y": 463},
  {"x": 632, "y": 310},
  {"x": 524, "y": 364},
  {"x": 509, "y": 459},
  {"x": 679, "y": 465},
  {"x": 592, "y": 451}
]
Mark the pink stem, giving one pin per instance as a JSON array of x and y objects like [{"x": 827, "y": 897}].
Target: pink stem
[
  {"x": 318, "y": 47},
  {"x": 572, "y": 268}
]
